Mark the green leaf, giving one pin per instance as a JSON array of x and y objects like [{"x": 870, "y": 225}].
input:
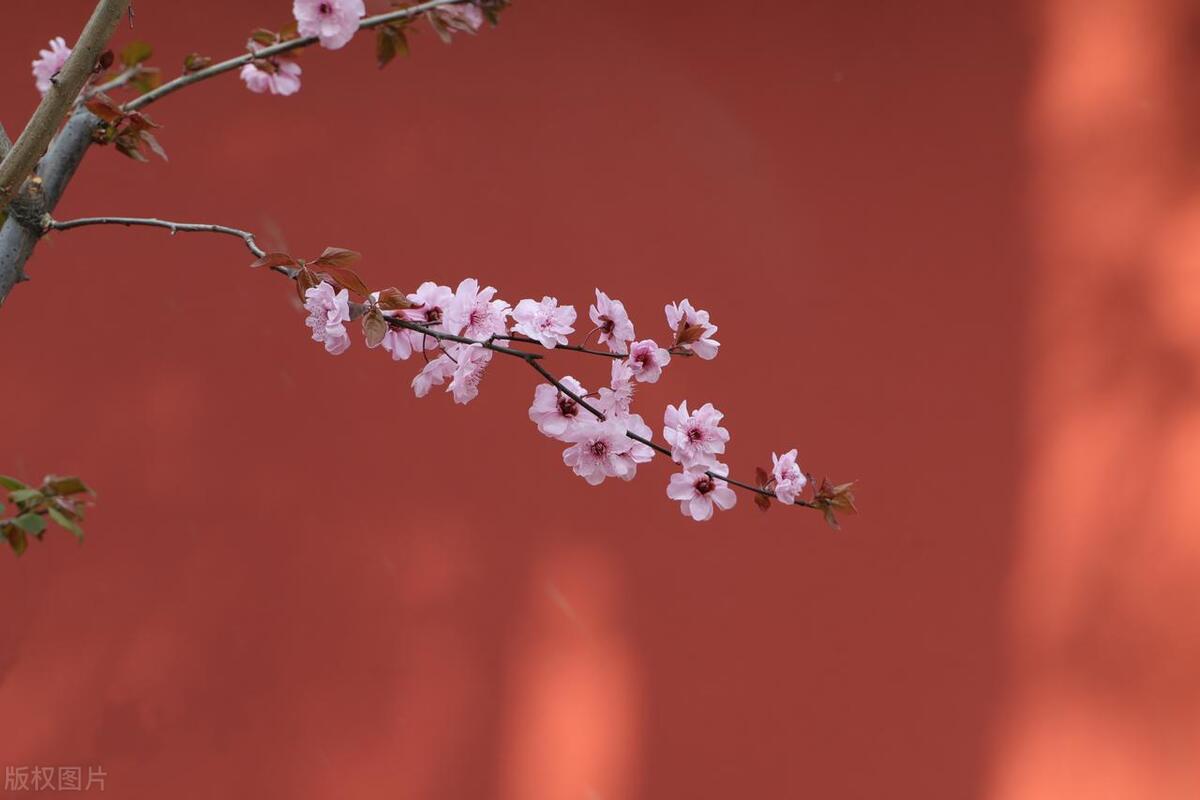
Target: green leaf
[
  {"x": 31, "y": 523},
  {"x": 195, "y": 62},
  {"x": 136, "y": 53},
  {"x": 26, "y": 495},
  {"x": 65, "y": 522},
  {"x": 11, "y": 483}
]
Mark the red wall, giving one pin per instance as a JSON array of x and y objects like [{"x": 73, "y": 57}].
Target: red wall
[{"x": 301, "y": 581}]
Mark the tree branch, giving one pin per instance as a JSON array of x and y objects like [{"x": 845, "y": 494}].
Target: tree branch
[
  {"x": 16, "y": 239},
  {"x": 20, "y": 160},
  {"x": 175, "y": 85},
  {"x": 532, "y": 359}
]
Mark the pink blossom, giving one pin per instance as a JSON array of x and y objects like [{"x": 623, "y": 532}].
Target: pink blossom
[
  {"x": 695, "y": 438},
  {"x": 474, "y": 314},
  {"x": 609, "y": 316},
  {"x": 639, "y": 453},
  {"x": 397, "y": 343},
  {"x": 682, "y": 316},
  {"x": 472, "y": 361},
  {"x": 545, "y": 321},
  {"x": 49, "y": 62},
  {"x": 334, "y": 22},
  {"x": 598, "y": 450},
  {"x": 276, "y": 75},
  {"x": 697, "y": 492},
  {"x": 327, "y": 315},
  {"x": 463, "y": 17},
  {"x": 789, "y": 479},
  {"x": 615, "y": 400},
  {"x": 431, "y": 301},
  {"x": 435, "y": 373},
  {"x": 647, "y": 359},
  {"x": 556, "y": 414}
]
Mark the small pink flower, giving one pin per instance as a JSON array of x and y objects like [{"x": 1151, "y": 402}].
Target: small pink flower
[
  {"x": 464, "y": 17},
  {"x": 474, "y": 314},
  {"x": 545, "y": 321},
  {"x": 789, "y": 479},
  {"x": 334, "y": 22},
  {"x": 327, "y": 315},
  {"x": 472, "y": 361},
  {"x": 598, "y": 450},
  {"x": 277, "y": 75},
  {"x": 683, "y": 316},
  {"x": 398, "y": 344},
  {"x": 695, "y": 438},
  {"x": 615, "y": 400},
  {"x": 697, "y": 492},
  {"x": 49, "y": 62},
  {"x": 609, "y": 316},
  {"x": 639, "y": 453},
  {"x": 647, "y": 359},
  {"x": 556, "y": 414},
  {"x": 435, "y": 373},
  {"x": 431, "y": 302}
]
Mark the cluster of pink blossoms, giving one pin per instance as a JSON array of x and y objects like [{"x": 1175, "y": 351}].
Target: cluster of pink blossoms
[
  {"x": 604, "y": 438},
  {"x": 334, "y": 23}
]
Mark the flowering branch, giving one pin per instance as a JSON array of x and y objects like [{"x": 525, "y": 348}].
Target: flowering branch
[
  {"x": 274, "y": 50},
  {"x": 462, "y": 327},
  {"x": 20, "y": 160},
  {"x": 384, "y": 313}
]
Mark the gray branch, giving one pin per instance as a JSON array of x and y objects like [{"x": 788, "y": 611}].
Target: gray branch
[{"x": 17, "y": 240}]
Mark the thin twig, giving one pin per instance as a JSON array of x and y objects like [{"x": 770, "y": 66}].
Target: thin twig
[
  {"x": 276, "y": 49},
  {"x": 573, "y": 347},
  {"x": 173, "y": 227},
  {"x": 20, "y": 160},
  {"x": 532, "y": 359}
]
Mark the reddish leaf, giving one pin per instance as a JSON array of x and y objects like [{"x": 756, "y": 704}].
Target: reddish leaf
[
  {"x": 345, "y": 279},
  {"x": 761, "y": 476},
  {"x": 762, "y": 501},
  {"x": 104, "y": 107},
  {"x": 275, "y": 260},
  {"x": 155, "y": 147},
  {"x": 289, "y": 31},
  {"x": 337, "y": 257},
  {"x": 393, "y": 300},
  {"x": 129, "y": 146},
  {"x": 104, "y": 61},
  {"x": 305, "y": 280},
  {"x": 374, "y": 328},
  {"x": 66, "y": 485}
]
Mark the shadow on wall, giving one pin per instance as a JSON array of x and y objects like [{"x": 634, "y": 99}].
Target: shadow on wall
[{"x": 1106, "y": 699}]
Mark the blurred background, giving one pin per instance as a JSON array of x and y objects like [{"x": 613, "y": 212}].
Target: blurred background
[{"x": 951, "y": 247}]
